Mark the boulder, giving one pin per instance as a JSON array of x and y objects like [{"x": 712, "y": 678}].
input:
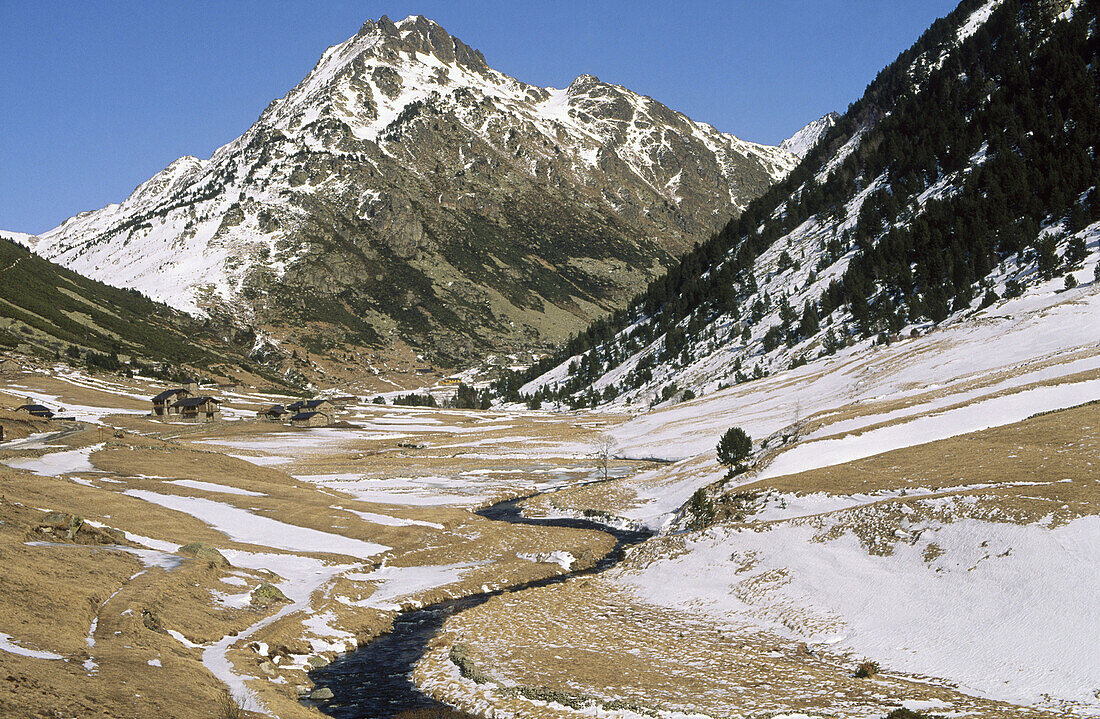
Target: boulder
[
  {"x": 152, "y": 622},
  {"x": 199, "y": 550},
  {"x": 267, "y": 594},
  {"x": 60, "y": 523}
]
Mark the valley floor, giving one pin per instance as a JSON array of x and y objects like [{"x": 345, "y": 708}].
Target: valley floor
[{"x": 937, "y": 517}]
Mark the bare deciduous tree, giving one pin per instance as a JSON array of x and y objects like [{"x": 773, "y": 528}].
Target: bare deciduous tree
[{"x": 603, "y": 449}]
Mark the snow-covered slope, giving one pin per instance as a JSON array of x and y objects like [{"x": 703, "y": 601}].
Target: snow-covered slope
[
  {"x": 1038, "y": 337},
  {"x": 804, "y": 140},
  {"x": 47, "y": 311},
  {"x": 888, "y": 571},
  {"x": 403, "y": 152},
  {"x": 20, "y": 237},
  {"x": 944, "y": 618}
]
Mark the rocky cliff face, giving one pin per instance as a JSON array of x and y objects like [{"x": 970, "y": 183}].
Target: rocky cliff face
[{"x": 407, "y": 193}]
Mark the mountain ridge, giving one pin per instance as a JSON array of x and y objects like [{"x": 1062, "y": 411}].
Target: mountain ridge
[
  {"x": 801, "y": 142},
  {"x": 513, "y": 214}
]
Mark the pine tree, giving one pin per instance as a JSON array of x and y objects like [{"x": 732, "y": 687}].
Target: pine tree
[
  {"x": 1075, "y": 252},
  {"x": 1046, "y": 259},
  {"x": 733, "y": 449},
  {"x": 809, "y": 324}
]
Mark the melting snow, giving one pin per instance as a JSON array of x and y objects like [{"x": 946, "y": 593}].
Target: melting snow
[
  {"x": 55, "y": 464},
  {"x": 1003, "y": 611},
  {"x": 244, "y": 526},
  {"x": 211, "y": 487},
  {"x": 7, "y": 645}
]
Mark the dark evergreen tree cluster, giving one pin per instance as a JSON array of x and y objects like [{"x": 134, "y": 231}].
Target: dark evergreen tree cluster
[
  {"x": 415, "y": 400},
  {"x": 1030, "y": 104},
  {"x": 54, "y": 311},
  {"x": 103, "y": 361},
  {"x": 467, "y": 397}
]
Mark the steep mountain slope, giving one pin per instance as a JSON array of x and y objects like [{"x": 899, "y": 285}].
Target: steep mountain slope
[
  {"x": 965, "y": 175},
  {"x": 46, "y": 310},
  {"x": 405, "y": 191}
]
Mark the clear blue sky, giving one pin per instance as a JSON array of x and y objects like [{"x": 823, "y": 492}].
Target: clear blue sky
[{"x": 98, "y": 96}]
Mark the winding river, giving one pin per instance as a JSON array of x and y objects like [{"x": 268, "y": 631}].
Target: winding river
[{"x": 375, "y": 681}]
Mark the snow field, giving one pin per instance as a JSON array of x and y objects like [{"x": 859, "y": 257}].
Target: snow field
[
  {"x": 244, "y": 526},
  {"x": 219, "y": 488},
  {"x": 55, "y": 464},
  {"x": 929, "y": 428},
  {"x": 394, "y": 583},
  {"x": 7, "y": 644},
  {"x": 981, "y": 613}
]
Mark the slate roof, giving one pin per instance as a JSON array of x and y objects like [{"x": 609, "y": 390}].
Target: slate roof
[
  {"x": 196, "y": 401},
  {"x": 308, "y": 404},
  {"x": 167, "y": 395},
  {"x": 34, "y": 409}
]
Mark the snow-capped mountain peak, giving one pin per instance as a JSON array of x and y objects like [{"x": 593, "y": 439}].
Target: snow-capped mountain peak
[
  {"x": 400, "y": 143},
  {"x": 804, "y": 140}
]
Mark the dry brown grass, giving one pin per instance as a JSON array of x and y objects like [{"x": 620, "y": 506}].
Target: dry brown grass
[
  {"x": 20, "y": 424},
  {"x": 590, "y": 638},
  {"x": 986, "y": 381},
  {"x": 229, "y": 707},
  {"x": 583, "y": 636},
  {"x": 48, "y": 599},
  {"x": 1046, "y": 465},
  {"x": 73, "y": 582}
]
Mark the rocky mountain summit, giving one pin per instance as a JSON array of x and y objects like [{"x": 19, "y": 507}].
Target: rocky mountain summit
[
  {"x": 405, "y": 194},
  {"x": 804, "y": 140}
]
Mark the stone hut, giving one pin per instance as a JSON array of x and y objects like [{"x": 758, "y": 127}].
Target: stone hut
[
  {"x": 313, "y": 405},
  {"x": 163, "y": 403},
  {"x": 197, "y": 409},
  {"x": 274, "y": 413},
  {"x": 311, "y": 419}
]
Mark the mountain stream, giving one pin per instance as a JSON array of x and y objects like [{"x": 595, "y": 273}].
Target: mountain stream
[{"x": 375, "y": 681}]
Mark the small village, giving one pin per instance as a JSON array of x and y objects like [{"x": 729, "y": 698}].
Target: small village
[
  {"x": 187, "y": 404},
  {"x": 195, "y": 402},
  {"x": 191, "y": 403}
]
